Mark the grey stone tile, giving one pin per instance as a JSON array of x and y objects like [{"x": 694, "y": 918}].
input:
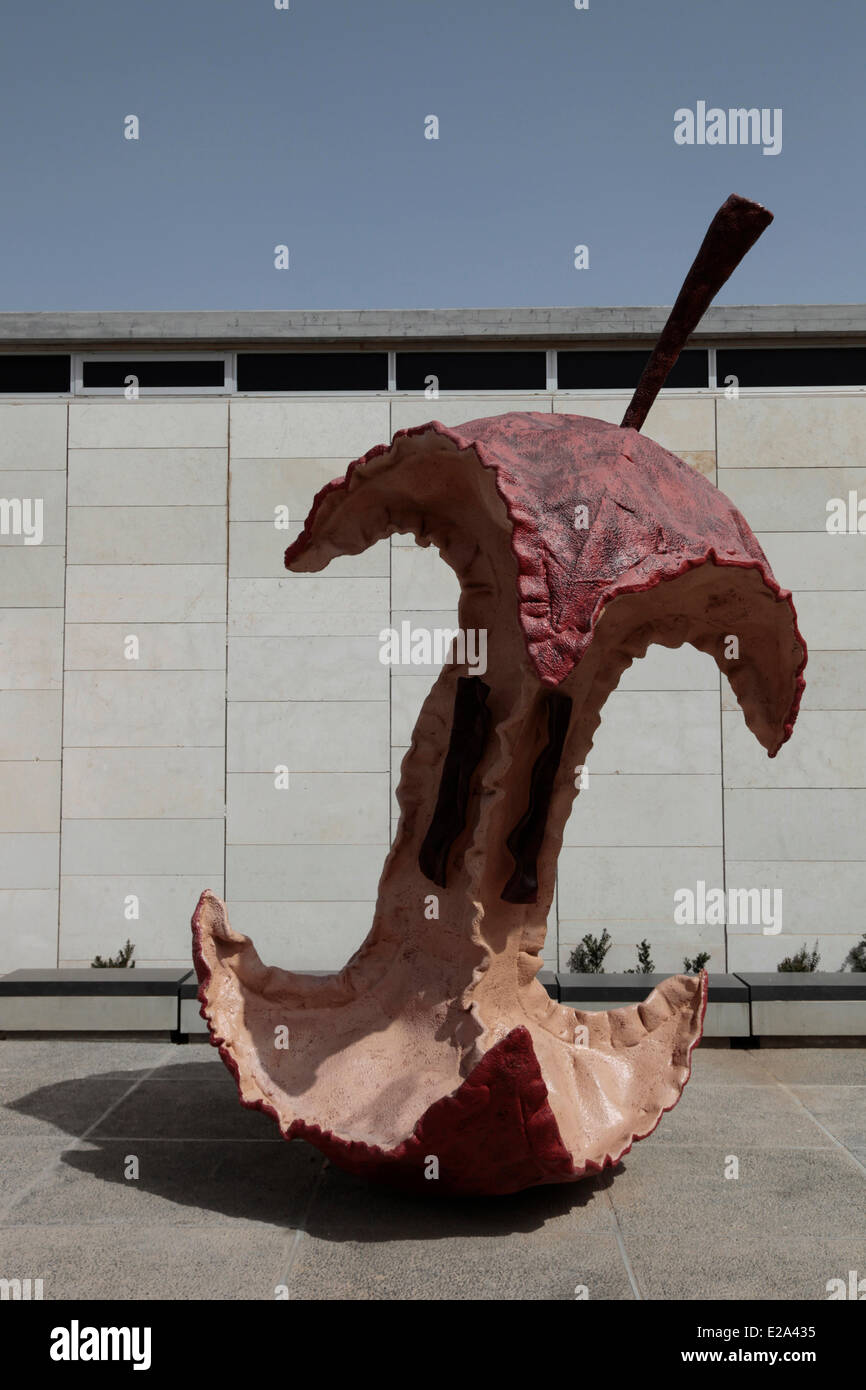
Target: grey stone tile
[
  {"x": 693, "y": 1265},
  {"x": 22, "y": 1159},
  {"x": 727, "y": 1066},
  {"x": 62, "y": 1057},
  {"x": 188, "y": 1062},
  {"x": 212, "y": 1212},
  {"x": 163, "y": 1261},
  {"x": 207, "y": 1108},
  {"x": 349, "y": 1208},
  {"x": 822, "y": 1066},
  {"x": 178, "y": 1184},
  {"x": 778, "y": 1192},
  {"x": 840, "y": 1109},
  {"x": 369, "y": 1242},
  {"x": 71, "y": 1106},
  {"x": 725, "y": 1116},
  {"x": 526, "y": 1266}
]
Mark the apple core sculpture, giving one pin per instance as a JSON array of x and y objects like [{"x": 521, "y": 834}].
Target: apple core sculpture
[{"x": 436, "y": 1039}]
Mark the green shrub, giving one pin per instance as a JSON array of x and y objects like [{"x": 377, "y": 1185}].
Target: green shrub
[
  {"x": 692, "y": 967},
  {"x": 804, "y": 959},
  {"x": 588, "y": 957},
  {"x": 118, "y": 962},
  {"x": 856, "y": 957},
  {"x": 644, "y": 961}
]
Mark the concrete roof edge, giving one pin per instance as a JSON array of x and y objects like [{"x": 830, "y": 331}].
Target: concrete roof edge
[{"x": 223, "y": 329}]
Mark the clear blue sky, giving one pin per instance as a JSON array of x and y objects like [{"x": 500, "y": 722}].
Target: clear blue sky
[{"x": 306, "y": 127}]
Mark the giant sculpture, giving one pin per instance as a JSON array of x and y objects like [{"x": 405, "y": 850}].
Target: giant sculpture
[{"x": 436, "y": 1051}]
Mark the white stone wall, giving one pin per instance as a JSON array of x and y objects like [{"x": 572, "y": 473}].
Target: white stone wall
[
  {"x": 144, "y": 739},
  {"x": 799, "y": 821},
  {"x": 32, "y": 465},
  {"x": 163, "y": 511}
]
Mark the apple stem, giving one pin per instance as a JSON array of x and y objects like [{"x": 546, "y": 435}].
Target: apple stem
[{"x": 732, "y": 232}]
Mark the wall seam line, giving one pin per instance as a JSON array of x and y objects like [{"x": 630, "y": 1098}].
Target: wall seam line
[
  {"x": 721, "y": 728},
  {"x": 226, "y": 667},
  {"x": 62, "y": 694}
]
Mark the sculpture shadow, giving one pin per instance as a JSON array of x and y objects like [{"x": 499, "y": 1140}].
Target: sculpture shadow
[{"x": 198, "y": 1147}]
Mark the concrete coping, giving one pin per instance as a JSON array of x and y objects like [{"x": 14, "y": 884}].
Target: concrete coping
[
  {"x": 723, "y": 989},
  {"x": 92, "y": 981},
  {"x": 795, "y": 985},
  {"x": 563, "y": 325}
]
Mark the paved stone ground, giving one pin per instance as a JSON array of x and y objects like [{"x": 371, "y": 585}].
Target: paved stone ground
[{"x": 223, "y": 1208}]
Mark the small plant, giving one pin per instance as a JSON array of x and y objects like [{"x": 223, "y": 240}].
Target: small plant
[
  {"x": 804, "y": 959},
  {"x": 693, "y": 967},
  {"x": 856, "y": 957},
  {"x": 645, "y": 964},
  {"x": 118, "y": 962},
  {"x": 587, "y": 958}
]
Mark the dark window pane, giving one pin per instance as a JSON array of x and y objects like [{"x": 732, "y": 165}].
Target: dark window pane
[
  {"x": 312, "y": 371},
  {"x": 792, "y": 366},
  {"x": 23, "y": 372},
  {"x": 620, "y": 371},
  {"x": 155, "y": 374},
  {"x": 472, "y": 371}
]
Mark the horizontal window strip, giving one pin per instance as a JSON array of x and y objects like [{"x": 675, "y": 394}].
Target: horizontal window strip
[
  {"x": 817, "y": 366},
  {"x": 154, "y": 373},
  {"x": 587, "y": 370},
  {"x": 471, "y": 371},
  {"x": 312, "y": 371},
  {"x": 25, "y": 373}
]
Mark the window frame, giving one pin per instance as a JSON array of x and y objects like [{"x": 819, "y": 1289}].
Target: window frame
[{"x": 113, "y": 392}]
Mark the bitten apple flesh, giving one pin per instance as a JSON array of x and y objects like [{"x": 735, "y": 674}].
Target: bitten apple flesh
[{"x": 436, "y": 1040}]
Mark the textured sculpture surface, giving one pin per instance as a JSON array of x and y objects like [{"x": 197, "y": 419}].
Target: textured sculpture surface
[{"x": 577, "y": 544}]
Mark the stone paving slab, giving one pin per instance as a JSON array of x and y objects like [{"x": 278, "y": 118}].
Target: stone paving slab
[
  {"x": 222, "y": 1208},
  {"x": 728, "y": 1066},
  {"x": 549, "y": 1264},
  {"x": 822, "y": 1066},
  {"x": 65, "y": 1107},
  {"x": 725, "y": 1116},
  {"x": 179, "y": 1184},
  {"x": 711, "y": 1264},
  {"x": 140, "y": 1262},
  {"x": 839, "y": 1109},
  {"x": 676, "y": 1189},
  {"x": 106, "y": 1057},
  {"x": 207, "y": 1108}
]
